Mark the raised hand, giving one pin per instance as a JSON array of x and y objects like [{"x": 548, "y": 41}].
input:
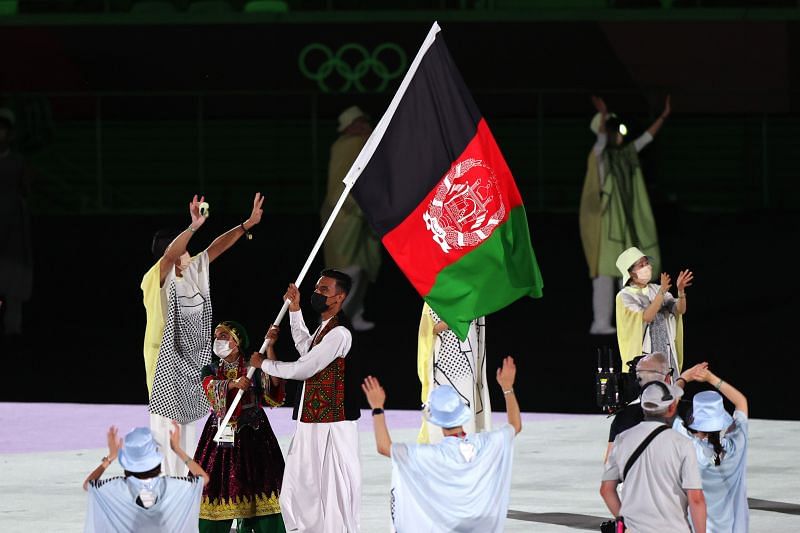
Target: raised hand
[
  {"x": 194, "y": 211},
  {"x": 666, "y": 282},
  {"x": 376, "y": 396},
  {"x": 667, "y": 107},
  {"x": 704, "y": 375},
  {"x": 685, "y": 278},
  {"x": 114, "y": 442},
  {"x": 293, "y": 295},
  {"x": 255, "y": 214},
  {"x": 599, "y": 105},
  {"x": 507, "y": 373},
  {"x": 696, "y": 373}
]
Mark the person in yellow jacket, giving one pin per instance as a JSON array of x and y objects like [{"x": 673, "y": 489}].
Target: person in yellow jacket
[
  {"x": 178, "y": 334},
  {"x": 649, "y": 317}
]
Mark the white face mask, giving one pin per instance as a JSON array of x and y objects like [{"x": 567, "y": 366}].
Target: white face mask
[
  {"x": 222, "y": 348},
  {"x": 644, "y": 274}
]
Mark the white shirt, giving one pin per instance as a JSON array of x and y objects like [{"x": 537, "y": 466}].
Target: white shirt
[{"x": 336, "y": 343}]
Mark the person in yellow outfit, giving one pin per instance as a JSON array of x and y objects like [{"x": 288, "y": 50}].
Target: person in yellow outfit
[
  {"x": 444, "y": 359},
  {"x": 178, "y": 335},
  {"x": 351, "y": 245},
  {"x": 649, "y": 317}
]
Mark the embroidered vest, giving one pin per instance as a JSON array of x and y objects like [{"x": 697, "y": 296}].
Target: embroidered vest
[{"x": 324, "y": 391}]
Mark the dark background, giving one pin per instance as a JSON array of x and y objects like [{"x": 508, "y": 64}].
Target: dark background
[{"x": 109, "y": 120}]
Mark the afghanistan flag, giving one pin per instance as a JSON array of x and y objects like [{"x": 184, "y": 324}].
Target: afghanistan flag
[{"x": 435, "y": 187}]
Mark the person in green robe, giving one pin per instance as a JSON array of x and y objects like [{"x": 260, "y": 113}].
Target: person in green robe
[{"x": 615, "y": 211}]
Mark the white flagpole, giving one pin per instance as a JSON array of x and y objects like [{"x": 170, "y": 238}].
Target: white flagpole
[{"x": 349, "y": 181}]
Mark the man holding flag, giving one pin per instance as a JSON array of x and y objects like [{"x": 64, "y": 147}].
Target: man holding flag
[{"x": 321, "y": 491}]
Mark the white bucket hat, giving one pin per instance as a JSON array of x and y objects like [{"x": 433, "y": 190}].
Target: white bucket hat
[
  {"x": 349, "y": 115},
  {"x": 708, "y": 412},
  {"x": 139, "y": 452},
  {"x": 626, "y": 260},
  {"x": 658, "y": 395},
  {"x": 446, "y": 409}
]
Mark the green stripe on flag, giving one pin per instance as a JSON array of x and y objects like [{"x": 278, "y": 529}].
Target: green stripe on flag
[{"x": 490, "y": 277}]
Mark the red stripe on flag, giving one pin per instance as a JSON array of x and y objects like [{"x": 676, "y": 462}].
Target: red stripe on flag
[{"x": 467, "y": 204}]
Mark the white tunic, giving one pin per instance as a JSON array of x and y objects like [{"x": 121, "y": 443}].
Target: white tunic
[
  {"x": 321, "y": 491},
  {"x": 113, "y": 508},
  {"x": 457, "y": 485}
]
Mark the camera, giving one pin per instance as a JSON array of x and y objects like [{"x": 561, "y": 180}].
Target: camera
[{"x": 615, "y": 389}]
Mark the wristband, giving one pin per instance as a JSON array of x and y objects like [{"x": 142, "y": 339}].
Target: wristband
[
  {"x": 246, "y": 233},
  {"x": 509, "y": 391},
  {"x": 719, "y": 384},
  {"x": 105, "y": 460},
  {"x": 192, "y": 229},
  {"x": 187, "y": 461},
  {"x": 377, "y": 411},
  {"x": 679, "y": 378}
]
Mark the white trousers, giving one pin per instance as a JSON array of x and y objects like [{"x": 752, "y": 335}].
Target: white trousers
[
  {"x": 321, "y": 491},
  {"x": 161, "y": 428}
]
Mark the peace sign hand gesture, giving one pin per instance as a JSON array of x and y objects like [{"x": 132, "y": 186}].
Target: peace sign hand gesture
[{"x": 255, "y": 214}]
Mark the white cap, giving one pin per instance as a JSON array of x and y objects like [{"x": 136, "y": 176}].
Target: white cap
[{"x": 349, "y": 115}]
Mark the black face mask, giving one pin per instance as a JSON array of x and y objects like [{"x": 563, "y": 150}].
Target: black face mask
[{"x": 319, "y": 302}]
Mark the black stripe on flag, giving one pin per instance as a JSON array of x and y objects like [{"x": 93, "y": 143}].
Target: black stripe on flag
[{"x": 433, "y": 124}]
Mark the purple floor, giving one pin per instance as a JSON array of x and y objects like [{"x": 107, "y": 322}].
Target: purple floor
[{"x": 46, "y": 427}]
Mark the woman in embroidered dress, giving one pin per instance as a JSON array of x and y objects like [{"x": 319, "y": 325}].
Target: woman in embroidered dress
[{"x": 246, "y": 466}]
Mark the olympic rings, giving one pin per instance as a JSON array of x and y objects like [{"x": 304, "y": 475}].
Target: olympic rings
[{"x": 352, "y": 62}]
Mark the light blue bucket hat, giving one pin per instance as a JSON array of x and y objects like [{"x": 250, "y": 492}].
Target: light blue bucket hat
[
  {"x": 140, "y": 451},
  {"x": 446, "y": 409},
  {"x": 708, "y": 412}
]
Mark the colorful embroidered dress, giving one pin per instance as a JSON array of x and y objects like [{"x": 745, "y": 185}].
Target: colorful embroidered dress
[{"x": 245, "y": 478}]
